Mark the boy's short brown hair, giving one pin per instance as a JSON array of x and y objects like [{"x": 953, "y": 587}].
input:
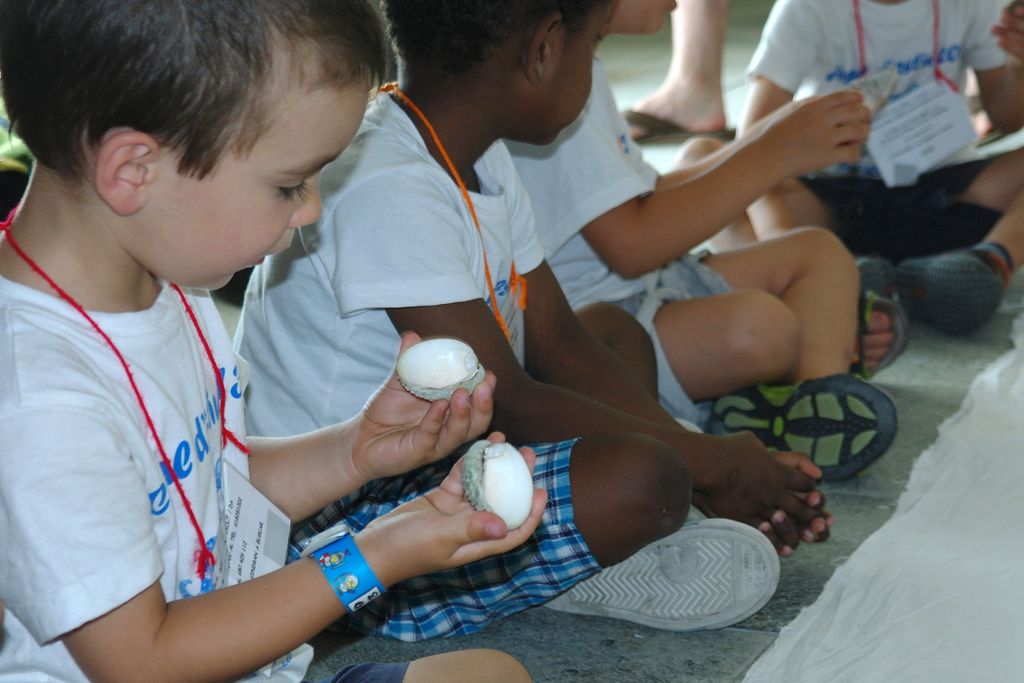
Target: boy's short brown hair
[{"x": 194, "y": 74}]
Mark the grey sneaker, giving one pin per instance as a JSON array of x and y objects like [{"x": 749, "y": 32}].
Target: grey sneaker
[
  {"x": 710, "y": 574},
  {"x": 957, "y": 291}
]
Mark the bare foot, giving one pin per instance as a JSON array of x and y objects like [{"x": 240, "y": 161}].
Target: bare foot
[
  {"x": 878, "y": 339},
  {"x": 694, "y": 108}
]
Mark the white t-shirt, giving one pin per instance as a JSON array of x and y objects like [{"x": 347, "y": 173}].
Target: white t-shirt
[
  {"x": 592, "y": 167},
  {"x": 88, "y": 518},
  {"x": 395, "y": 233},
  {"x": 810, "y": 47}
]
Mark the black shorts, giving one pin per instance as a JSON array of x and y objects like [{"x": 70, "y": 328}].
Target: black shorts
[{"x": 901, "y": 222}]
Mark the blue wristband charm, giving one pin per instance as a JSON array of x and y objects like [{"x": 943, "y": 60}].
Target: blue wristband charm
[{"x": 346, "y": 571}]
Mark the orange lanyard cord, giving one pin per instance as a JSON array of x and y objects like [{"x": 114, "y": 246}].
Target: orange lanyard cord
[{"x": 517, "y": 284}]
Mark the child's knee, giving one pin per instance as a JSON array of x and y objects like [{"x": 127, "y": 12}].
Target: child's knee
[
  {"x": 628, "y": 490},
  {"x": 764, "y": 336},
  {"x": 616, "y": 328},
  {"x": 822, "y": 250},
  {"x": 660, "y": 486},
  {"x": 822, "y": 244},
  {"x": 695, "y": 149}
]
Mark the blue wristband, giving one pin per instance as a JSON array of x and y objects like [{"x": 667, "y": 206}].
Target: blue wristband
[{"x": 346, "y": 571}]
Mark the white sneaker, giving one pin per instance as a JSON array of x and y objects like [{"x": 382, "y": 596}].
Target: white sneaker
[{"x": 710, "y": 574}]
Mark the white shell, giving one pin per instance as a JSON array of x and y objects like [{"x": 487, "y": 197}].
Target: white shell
[
  {"x": 433, "y": 369},
  {"x": 496, "y": 478}
]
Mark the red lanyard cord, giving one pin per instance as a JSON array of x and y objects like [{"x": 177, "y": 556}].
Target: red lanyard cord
[
  {"x": 204, "y": 557},
  {"x": 517, "y": 284},
  {"x": 225, "y": 433},
  {"x": 858, "y": 19}
]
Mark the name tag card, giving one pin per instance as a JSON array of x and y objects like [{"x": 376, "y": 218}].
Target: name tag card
[
  {"x": 256, "y": 533},
  {"x": 912, "y": 135},
  {"x": 256, "y": 543}
]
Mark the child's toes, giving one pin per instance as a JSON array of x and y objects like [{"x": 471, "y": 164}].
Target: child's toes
[
  {"x": 880, "y": 321},
  {"x": 876, "y": 346}
]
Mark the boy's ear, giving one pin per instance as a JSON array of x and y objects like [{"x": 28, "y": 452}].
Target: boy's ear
[
  {"x": 544, "y": 48},
  {"x": 126, "y": 166}
]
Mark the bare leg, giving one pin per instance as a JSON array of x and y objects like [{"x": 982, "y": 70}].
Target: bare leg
[
  {"x": 788, "y": 206},
  {"x": 467, "y": 666},
  {"x": 719, "y": 344},
  {"x": 691, "y": 94},
  {"x": 1000, "y": 187},
  {"x": 628, "y": 490},
  {"x": 626, "y": 338},
  {"x": 812, "y": 273},
  {"x": 695, "y": 155}
]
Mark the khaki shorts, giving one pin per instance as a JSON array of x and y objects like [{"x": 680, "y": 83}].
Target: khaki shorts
[{"x": 687, "y": 278}]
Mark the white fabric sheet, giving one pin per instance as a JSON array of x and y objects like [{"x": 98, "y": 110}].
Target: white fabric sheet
[{"x": 936, "y": 594}]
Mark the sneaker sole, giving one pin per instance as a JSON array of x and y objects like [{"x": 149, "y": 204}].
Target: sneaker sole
[
  {"x": 842, "y": 423},
  {"x": 708, "y": 575}
]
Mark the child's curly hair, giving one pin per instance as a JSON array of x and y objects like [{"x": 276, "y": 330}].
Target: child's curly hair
[{"x": 456, "y": 34}]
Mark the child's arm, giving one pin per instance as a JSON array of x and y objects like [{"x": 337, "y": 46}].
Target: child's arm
[
  {"x": 574, "y": 386},
  {"x": 691, "y": 205},
  {"x": 396, "y": 433},
  {"x": 1002, "y": 89},
  {"x": 223, "y": 635},
  {"x": 763, "y": 99}
]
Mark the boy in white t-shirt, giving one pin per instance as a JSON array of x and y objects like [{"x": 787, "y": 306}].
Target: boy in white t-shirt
[
  {"x": 121, "y": 419},
  {"x": 957, "y": 232},
  {"x": 784, "y": 311},
  {"x": 431, "y": 181}
]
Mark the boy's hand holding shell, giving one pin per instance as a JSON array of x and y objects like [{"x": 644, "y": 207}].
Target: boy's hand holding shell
[
  {"x": 494, "y": 475},
  {"x": 398, "y": 432},
  {"x": 435, "y": 368}
]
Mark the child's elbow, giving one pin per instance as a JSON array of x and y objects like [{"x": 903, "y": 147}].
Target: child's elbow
[{"x": 632, "y": 258}]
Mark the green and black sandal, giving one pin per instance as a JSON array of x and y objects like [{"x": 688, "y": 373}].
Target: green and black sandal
[
  {"x": 843, "y": 424},
  {"x": 869, "y": 303}
]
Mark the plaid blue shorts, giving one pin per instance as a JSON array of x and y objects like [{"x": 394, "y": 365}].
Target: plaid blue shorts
[{"x": 466, "y": 599}]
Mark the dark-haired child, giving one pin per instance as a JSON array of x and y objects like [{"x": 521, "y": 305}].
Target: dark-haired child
[
  {"x": 124, "y": 444},
  {"x": 956, "y": 232},
  {"x": 427, "y": 228}
]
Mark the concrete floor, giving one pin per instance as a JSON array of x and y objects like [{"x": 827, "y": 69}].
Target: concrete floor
[{"x": 561, "y": 648}]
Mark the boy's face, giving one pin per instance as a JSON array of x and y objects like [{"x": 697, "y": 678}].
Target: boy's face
[
  {"x": 200, "y": 232},
  {"x": 640, "y": 16}
]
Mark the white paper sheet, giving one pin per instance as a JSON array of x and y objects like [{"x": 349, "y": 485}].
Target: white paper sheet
[
  {"x": 936, "y": 594},
  {"x": 916, "y": 133}
]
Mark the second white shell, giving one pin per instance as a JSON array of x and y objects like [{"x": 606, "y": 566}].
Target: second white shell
[
  {"x": 434, "y": 368},
  {"x": 496, "y": 478}
]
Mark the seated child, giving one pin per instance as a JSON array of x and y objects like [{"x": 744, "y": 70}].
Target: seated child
[
  {"x": 957, "y": 233},
  {"x": 399, "y": 248},
  {"x": 120, "y": 411},
  {"x": 784, "y": 310}
]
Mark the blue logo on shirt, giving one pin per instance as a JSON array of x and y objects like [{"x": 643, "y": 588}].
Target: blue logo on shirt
[
  {"x": 193, "y": 448},
  {"x": 206, "y": 585},
  {"x": 922, "y": 60}
]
